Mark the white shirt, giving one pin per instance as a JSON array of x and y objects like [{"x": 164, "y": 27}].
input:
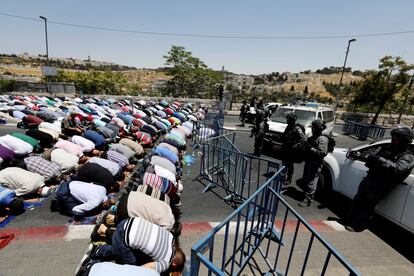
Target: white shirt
[
  {"x": 51, "y": 126},
  {"x": 51, "y": 132},
  {"x": 22, "y": 182},
  {"x": 160, "y": 171},
  {"x": 86, "y": 144},
  {"x": 17, "y": 145},
  {"x": 66, "y": 160},
  {"x": 91, "y": 195},
  {"x": 107, "y": 164}
]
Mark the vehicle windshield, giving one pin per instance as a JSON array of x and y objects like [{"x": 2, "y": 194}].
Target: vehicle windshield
[{"x": 305, "y": 117}]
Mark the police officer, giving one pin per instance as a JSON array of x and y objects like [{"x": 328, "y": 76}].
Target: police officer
[
  {"x": 258, "y": 141},
  {"x": 293, "y": 139},
  {"x": 388, "y": 166},
  {"x": 243, "y": 110},
  {"x": 317, "y": 149}
]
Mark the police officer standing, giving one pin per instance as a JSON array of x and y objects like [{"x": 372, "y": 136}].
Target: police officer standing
[
  {"x": 293, "y": 139},
  {"x": 317, "y": 149},
  {"x": 243, "y": 110},
  {"x": 388, "y": 166}
]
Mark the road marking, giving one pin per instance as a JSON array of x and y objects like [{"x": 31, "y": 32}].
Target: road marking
[
  {"x": 334, "y": 225},
  {"x": 79, "y": 232}
]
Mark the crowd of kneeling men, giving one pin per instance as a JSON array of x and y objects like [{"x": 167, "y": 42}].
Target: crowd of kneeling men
[{"x": 121, "y": 165}]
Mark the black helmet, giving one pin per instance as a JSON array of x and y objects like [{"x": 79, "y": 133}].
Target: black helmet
[
  {"x": 290, "y": 115},
  {"x": 403, "y": 132},
  {"x": 318, "y": 124}
]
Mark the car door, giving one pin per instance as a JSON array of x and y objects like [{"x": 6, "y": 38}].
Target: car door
[
  {"x": 352, "y": 171},
  {"x": 407, "y": 218},
  {"x": 393, "y": 205}
]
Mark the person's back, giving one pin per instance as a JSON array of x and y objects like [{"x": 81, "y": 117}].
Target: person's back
[{"x": 144, "y": 206}]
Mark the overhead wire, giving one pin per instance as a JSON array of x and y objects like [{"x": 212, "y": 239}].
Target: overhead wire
[{"x": 212, "y": 35}]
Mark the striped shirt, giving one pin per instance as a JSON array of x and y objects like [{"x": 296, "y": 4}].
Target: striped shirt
[
  {"x": 117, "y": 157},
  {"x": 159, "y": 183},
  {"x": 152, "y": 240},
  {"x": 42, "y": 166}
]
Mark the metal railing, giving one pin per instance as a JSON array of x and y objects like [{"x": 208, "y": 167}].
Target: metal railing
[
  {"x": 238, "y": 174},
  {"x": 265, "y": 235},
  {"x": 362, "y": 130},
  {"x": 211, "y": 126}
]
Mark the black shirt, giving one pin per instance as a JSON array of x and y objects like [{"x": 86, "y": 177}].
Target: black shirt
[
  {"x": 46, "y": 140},
  {"x": 91, "y": 172}
]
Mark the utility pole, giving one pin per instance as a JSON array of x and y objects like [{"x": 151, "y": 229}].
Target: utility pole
[
  {"x": 47, "y": 52},
  {"x": 343, "y": 71}
]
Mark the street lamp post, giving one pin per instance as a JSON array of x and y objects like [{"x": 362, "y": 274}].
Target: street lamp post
[
  {"x": 343, "y": 71},
  {"x": 47, "y": 52}
]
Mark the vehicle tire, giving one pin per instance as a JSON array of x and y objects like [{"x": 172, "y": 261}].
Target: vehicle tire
[{"x": 324, "y": 188}]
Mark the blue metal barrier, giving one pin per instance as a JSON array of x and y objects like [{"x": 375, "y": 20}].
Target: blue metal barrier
[
  {"x": 237, "y": 173},
  {"x": 211, "y": 126},
  {"x": 362, "y": 130},
  {"x": 265, "y": 235}
]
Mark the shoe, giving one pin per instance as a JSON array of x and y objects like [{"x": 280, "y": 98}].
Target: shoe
[
  {"x": 86, "y": 262},
  {"x": 306, "y": 202}
]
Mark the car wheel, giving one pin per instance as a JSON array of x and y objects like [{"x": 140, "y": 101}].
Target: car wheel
[{"x": 324, "y": 188}]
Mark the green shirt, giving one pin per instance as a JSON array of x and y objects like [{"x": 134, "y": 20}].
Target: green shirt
[{"x": 26, "y": 138}]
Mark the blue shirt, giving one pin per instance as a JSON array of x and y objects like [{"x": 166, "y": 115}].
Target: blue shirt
[
  {"x": 6, "y": 196},
  {"x": 164, "y": 152},
  {"x": 95, "y": 137}
]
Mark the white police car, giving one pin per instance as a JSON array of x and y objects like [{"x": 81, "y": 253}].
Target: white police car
[{"x": 343, "y": 171}]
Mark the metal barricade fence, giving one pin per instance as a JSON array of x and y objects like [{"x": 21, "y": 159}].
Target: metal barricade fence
[
  {"x": 211, "y": 126},
  {"x": 362, "y": 130},
  {"x": 265, "y": 235},
  {"x": 237, "y": 173}
]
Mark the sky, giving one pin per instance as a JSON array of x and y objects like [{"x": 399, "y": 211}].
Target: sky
[{"x": 241, "y": 18}]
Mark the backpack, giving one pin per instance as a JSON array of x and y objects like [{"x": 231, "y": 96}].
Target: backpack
[{"x": 331, "y": 143}]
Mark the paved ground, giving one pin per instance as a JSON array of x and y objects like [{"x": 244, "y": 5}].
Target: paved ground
[{"x": 45, "y": 245}]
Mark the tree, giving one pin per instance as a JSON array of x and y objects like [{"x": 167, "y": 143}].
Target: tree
[
  {"x": 379, "y": 87},
  {"x": 191, "y": 76}
]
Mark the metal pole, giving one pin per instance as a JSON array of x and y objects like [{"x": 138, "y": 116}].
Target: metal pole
[
  {"x": 47, "y": 52},
  {"x": 343, "y": 71}
]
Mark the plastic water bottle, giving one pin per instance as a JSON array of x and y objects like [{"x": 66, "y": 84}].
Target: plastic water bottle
[{"x": 187, "y": 267}]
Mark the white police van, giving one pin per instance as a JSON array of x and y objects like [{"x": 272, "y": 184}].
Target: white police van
[{"x": 305, "y": 115}]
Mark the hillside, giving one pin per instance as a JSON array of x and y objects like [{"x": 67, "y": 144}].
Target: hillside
[{"x": 28, "y": 68}]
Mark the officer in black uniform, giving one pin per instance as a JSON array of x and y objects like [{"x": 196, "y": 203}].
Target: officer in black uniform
[
  {"x": 293, "y": 139},
  {"x": 388, "y": 166},
  {"x": 317, "y": 149},
  {"x": 243, "y": 110}
]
